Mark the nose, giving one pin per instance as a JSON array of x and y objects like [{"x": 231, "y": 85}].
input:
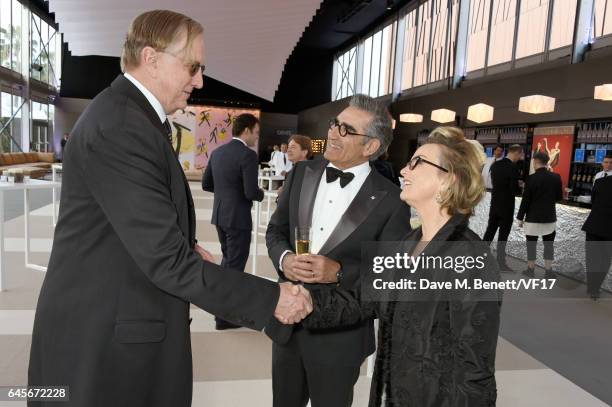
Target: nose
[
  {"x": 198, "y": 80},
  {"x": 404, "y": 171}
]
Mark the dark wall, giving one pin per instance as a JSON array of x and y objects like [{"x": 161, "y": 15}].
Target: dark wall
[
  {"x": 571, "y": 85},
  {"x": 276, "y": 128}
]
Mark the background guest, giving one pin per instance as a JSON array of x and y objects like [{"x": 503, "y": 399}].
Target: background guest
[
  {"x": 504, "y": 177},
  {"x": 231, "y": 175},
  {"x": 606, "y": 169},
  {"x": 385, "y": 168},
  {"x": 498, "y": 154},
  {"x": 281, "y": 163},
  {"x": 299, "y": 148},
  {"x": 598, "y": 228},
  {"x": 538, "y": 214}
]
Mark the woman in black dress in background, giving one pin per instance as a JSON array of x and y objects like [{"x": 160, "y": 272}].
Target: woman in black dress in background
[{"x": 437, "y": 351}]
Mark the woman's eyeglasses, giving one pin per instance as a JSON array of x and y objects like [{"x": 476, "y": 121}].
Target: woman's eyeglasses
[
  {"x": 418, "y": 159},
  {"x": 343, "y": 129}
]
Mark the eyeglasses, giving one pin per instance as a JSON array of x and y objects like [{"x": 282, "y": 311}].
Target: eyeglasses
[
  {"x": 193, "y": 68},
  {"x": 343, "y": 129},
  {"x": 418, "y": 159}
]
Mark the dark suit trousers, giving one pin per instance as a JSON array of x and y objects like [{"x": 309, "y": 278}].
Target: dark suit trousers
[
  {"x": 503, "y": 221},
  {"x": 295, "y": 380},
  {"x": 235, "y": 245},
  {"x": 598, "y": 257}
]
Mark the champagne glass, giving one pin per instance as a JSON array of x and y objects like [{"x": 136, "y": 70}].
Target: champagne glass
[{"x": 303, "y": 237}]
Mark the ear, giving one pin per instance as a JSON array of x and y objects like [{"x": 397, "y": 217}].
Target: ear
[
  {"x": 148, "y": 59},
  {"x": 371, "y": 147}
]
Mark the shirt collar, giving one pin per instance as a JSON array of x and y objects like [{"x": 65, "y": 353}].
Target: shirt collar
[
  {"x": 240, "y": 140},
  {"x": 358, "y": 170},
  {"x": 155, "y": 103}
]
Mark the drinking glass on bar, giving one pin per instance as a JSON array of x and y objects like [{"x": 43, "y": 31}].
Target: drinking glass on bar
[{"x": 303, "y": 236}]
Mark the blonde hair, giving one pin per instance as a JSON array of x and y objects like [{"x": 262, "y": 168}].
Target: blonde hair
[
  {"x": 156, "y": 29},
  {"x": 463, "y": 161}
]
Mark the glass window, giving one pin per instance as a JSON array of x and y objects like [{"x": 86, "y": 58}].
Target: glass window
[
  {"x": 503, "y": 22},
  {"x": 35, "y": 46},
  {"x": 442, "y": 52},
  {"x": 409, "y": 46},
  {"x": 477, "y": 36},
  {"x": 5, "y": 33},
  {"x": 10, "y": 139},
  {"x": 16, "y": 37},
  {"x": 562, "y": 31},
  {"x": 345, "y": 74},
  {"x": 387, "y": 60},
  {"x": 367, "y": 65},
  {"x": 602, "y": 16},
  {"x": 422, "y": 49},
  {"x": 375, "y": 70},
  {"x": 533, "y": 19}
]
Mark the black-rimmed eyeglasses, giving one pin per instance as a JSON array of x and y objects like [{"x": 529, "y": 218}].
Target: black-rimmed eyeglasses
[
  {"x": 344, "y": 129},
  {"x": 418, "y": 159}
]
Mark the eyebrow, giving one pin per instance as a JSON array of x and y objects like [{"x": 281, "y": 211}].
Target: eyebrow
[{"x": 348, "y": 125}]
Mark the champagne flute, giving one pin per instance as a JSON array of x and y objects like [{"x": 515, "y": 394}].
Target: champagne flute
[{"x": 303, "y": 237}]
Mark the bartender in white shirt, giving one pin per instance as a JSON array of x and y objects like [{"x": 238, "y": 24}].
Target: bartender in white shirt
[
  {"x": 498, "y": 154},
  {"x": 281, "y": 162},
  {"x": 606, "y": 170}
]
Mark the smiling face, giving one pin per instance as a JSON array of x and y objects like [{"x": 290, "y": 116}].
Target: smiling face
[
  {"x": 172, "y": 72},
  {"x": 295, "y": 152},
  {"x": 349, "y": 151},
  {"x": 422, "y": 184}
]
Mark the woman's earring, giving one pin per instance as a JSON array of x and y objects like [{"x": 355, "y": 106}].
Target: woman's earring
[{"x": 439, "y": 197}]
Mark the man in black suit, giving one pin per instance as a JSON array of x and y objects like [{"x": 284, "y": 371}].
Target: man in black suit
[
  {"x": 112, "y": 320},
  {"x": 346, "y": 202},
  {"x": 538, "y": 212},
  {"x": 598, "y": 228},
  {"x": 505, "y": 180},
  {"x": 232, "y": 175}
]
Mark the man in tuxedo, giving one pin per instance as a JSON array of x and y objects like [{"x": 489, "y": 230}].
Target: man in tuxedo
[
  {"x": 505, "y": 181},
  {"x": 345, "y": 202},
  {"x": 112, "y": 321},
  {"x": 606, "y": 168},
  {"x": 598, "y": 228},
  {"x": 232, "y": 175}
]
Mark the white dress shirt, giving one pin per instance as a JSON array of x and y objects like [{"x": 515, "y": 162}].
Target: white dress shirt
[
  {"x": 332, "y": 201},
  {"x": 330, "y": 204},
  {"x": 601, "y": 174},
  {"x": 156, "y": 104},
  {"x": 240, "y": 140},
  {"x": 281, "y": 163}
]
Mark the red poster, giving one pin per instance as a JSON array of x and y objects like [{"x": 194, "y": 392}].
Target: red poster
[{"x": 559, "y": 148}]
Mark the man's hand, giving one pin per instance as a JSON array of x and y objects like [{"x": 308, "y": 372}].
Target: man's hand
[
  {"x": 310, "y": 268},
  {"x": 205, "y": 254},
  {"x": 294, "y": 304}
]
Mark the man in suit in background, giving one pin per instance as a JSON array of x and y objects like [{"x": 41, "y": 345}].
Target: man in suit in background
[
  {"x": 598, "y": 228},
  {"x": 346, "y": 202},
  {"x": 112, "y": 320},
  {"x": 505, "y": 181},
  {"x": 606, "y": 168},
  {"x": 232, "y": 175}
]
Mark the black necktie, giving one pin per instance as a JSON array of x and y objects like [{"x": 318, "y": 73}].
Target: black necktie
[
  {"x": 284, "y": 158},
  {"x": 333, "y": 174},
  {"x": 168, "y": 130}
]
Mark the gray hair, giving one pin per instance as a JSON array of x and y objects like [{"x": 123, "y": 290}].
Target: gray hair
[{"x": 380, "y": 126}]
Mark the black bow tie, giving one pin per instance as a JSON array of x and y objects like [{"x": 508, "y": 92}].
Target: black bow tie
[
  {"x": 333, "y": 174},
  {"x": 168, "y": 130}
]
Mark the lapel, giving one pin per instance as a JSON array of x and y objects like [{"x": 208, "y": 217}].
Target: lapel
[
  {"x": 124, "y": 86},
  {"x": 358, "y": 211},
  {"x": 308, "y": 193}
]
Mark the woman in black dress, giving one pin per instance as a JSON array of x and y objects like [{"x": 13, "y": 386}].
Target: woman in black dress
[{"x": 438, "y": 350}]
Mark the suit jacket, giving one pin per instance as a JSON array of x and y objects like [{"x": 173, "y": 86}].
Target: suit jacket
[
  {"x": 542, "y": 191},
  {"x": 504, "y": 177},
  {"x": 386, "y": 170},
  {"x": 599, "y": 220},
  {"x": 437, "y": 351},
  {"x": 375, "y": 214},
  {"x": 232, "y": 175},
  {"x": 112, "y": 320}
]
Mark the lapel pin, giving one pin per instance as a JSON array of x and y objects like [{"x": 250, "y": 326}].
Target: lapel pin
[{"x": 372, "y": 197}]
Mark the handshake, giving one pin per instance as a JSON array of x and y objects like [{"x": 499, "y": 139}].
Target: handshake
[{"x": 294, "y": 303}]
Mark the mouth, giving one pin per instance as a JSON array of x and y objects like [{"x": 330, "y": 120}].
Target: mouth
[
  {"x": 407, "y": 182},
  {"x": 334, "y": 146}
]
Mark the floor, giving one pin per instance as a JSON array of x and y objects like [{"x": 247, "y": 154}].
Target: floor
[{"x": 550, "y": 353}]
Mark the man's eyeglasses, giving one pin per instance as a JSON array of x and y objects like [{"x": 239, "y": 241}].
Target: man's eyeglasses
[
  {"x": 193, "y": 68},
  {"x": 344, "y": 129},
  {"x": 418, "y": 159}
]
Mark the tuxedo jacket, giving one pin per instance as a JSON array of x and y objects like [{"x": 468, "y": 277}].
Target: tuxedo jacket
[
  {"x": 542, "y": 191},
  {"x": 112, "y": 320},
  {"x": 375, "y": 214},
  {"x": 504, "y": 177},
  {"x": 232, "y": 175},
  {"x": 599, "y": 221}
]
